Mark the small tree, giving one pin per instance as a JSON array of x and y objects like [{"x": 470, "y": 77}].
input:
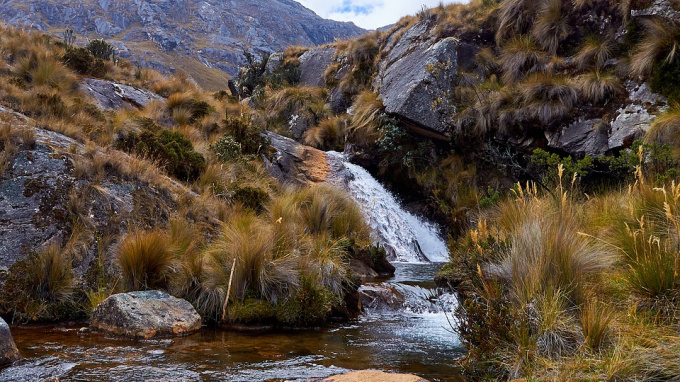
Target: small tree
[{"x": 101, "y": 49}]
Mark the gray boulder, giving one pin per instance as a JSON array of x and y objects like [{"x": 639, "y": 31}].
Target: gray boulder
[
  {"x": 145, "y": 314},
  {"x": 313, "y": 65},
  {"x": 661, "y": 8},
  {"x": 112, "y": 96},
  {"x": 273, "y": 63},
  {"x": 415, "y": 81},
  {"x": 8, "y": 349},
  {"x": 586, "y": 137}
]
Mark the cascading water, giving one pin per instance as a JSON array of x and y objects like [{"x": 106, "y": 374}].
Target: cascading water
[{"x": 406, "y": 237}]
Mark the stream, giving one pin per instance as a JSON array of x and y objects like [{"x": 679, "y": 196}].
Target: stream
[
  {"x": 406, "y": 327},
  {"x": 414, "y": 338}
]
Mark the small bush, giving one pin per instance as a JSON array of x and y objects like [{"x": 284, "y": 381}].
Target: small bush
[
  {"x": 81, "y": 61},
  {"x": 174, "y": 153},
  {"x": 251, "y": 197},
  {"x": 227, "y": 149},
  {"x": 246, "y": 133},
  {"x": 311, "y": 305},
  {"x": 101, "y": 49}
]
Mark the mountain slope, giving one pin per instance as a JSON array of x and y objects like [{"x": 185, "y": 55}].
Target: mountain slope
[{"x": 198, "y": 37}]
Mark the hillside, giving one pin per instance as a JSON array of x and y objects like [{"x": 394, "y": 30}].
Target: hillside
[{"x": 198, "y": 38}]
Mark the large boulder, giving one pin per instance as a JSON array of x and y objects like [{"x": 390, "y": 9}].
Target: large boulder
[
  {"x": 313, "y": 65},
  {"x": 374, "y": 376},
  {"x": 8, "y": 350},
  {"x": 415, "y": 80},
  {"x": 381, "y": 297},
  {"x": 145, "y": 314},
  {"x": 588, "y": 137},
  {"x": 112, "y": 96}
]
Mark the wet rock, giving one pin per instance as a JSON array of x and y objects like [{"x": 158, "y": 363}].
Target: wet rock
[
  {"x": 145, "y": 314},
  {"x": 294, "y": 162},
  {"x": 112, "y": 96},
  {"x": 374, "y": 376},
  {"x": 313, "y": 65},
  {"x": 362, "y": 269},
  {"x": 415, "y": 80},
  {"x": 8, "y": 349},
  {"x": 379, "y": 297},
  {"x": 586, "y": 137}
]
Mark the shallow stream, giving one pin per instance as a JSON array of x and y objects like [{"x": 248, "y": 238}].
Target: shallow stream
[{"x": 415, "y": 338}]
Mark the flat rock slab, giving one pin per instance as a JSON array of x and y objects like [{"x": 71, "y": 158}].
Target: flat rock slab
[
  {"x": 8, "y": 349},
  {"x": 374, "y": 376},
  {"x": 112, "y": 96},
  {"x": 145, "y": 314}
]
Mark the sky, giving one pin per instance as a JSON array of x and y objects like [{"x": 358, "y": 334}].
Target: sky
[{"x": 370, "y": 14}]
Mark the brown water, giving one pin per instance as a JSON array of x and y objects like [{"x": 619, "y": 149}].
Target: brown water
[{"x": 417, "y": 340}]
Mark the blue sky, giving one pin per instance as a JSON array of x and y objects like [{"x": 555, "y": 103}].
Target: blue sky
[{"x": 369, "y": 14}]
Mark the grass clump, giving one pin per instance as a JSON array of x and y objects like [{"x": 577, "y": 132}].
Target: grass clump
[{"x": 146, "y": 260}]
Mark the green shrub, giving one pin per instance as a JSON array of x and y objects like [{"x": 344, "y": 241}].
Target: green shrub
[
  {"x": 246, "y": 133},
  {"x": 311, "y": 305},
  {"x": 227, "y": 149},
  {"x": 251, "y": 197},
  {"x": 101, "y": 49},
  {"x": 251, "y": 311},
  {"x": 174, "y": 153},
  {"x": 81, "y": 61}
]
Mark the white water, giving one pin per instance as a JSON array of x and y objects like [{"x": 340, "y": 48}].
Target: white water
[{"x": 406, "y": 237}]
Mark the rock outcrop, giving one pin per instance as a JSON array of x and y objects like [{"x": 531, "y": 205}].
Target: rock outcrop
[
  {"x": 47, "y": 186},
  {"x": 197, "y": 37},
  {"x": 8, "y": 349},
  {"x": 145, "y": 314},
  {"x": 379, "y": 297},
  {"x": 415, "y": 80},
  {"x": 113, "y": 96},
  {"x": 599, "y": 136},
  {"x": 374, "y": 376},
  {"x": 313, "y": 65}
]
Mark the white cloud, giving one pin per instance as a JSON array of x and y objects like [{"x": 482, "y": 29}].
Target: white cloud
[{"x": 370, "y": 14}]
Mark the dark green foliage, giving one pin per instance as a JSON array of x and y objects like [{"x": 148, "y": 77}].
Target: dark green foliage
[
  {"x": 174, "y": 153},
  {"x": 81, "y": 61},
  {"x": 251, "y": 76},
  {"x": 396, "y": 146},
  {"x": 666, "y": 79},
  {"x": 251, "y": 197},
  {"x": 287, "y": 75},
  {"x": 310, "y": 306},
  {"x": 251, "y": 311},
  {"x": 101, "y": 49},
  {"x": 246, "y": 133},
  {"x": 226, "y": 149},
  {"x": 491, "y": 198}
]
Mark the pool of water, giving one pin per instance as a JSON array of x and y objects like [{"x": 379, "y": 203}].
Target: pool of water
[{"x": 418, "y": 341}]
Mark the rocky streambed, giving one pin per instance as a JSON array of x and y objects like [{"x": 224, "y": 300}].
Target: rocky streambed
[{"x": 405, "y": 329}]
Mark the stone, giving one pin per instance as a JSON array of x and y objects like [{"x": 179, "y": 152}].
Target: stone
[
  {"x": 584, "y": 137},
  {"x": 379, "y": 297},
  {"x": 273, "y": 63},
  {"x": 660, "y": 8},
  {"x": 295, "y": 163},
  {"x": 415, "y": 81},
  {"x": 633, "y": 120},
  {"x": 374, "y": 376},
  {"x": 313, "y": 65},
  {"x": 8, "y": 349},
  {"x": 145, "y": 314},
  {"x": 112, "y": 96}
]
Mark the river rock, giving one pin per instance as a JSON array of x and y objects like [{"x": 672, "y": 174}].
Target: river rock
[
  {"x": 113, "y": 96},
  {"x": 145, "y": 314},
  {"x": 313, "y": 65},
  {"x": 374, "y": 376},
  {"x": 8, "y": 349},
  {"x": 379, "y": 297},
  {"x": 415, "y": 80}
]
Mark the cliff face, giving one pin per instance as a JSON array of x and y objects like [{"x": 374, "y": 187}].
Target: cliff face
[{"x": 197, "y": 37}]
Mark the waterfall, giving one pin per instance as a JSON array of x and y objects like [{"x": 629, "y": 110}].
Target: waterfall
[{"x": 405, "y": 237}]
